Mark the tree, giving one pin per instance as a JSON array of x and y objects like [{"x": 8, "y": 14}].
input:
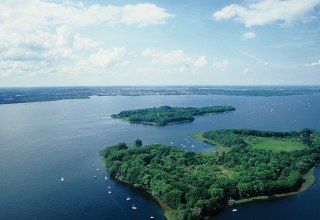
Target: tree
[{"x": 138, "y": 142}]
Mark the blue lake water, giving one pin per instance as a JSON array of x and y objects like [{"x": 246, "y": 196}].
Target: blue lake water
[{"x": 41, "y": 142}]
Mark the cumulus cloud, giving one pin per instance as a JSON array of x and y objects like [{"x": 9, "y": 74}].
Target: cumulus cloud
[
  {"x": 221, "y": 65},
  {"x": 175, "y": 57},
  {"x": 201, "y": 61},
  {"x": 315, "y": 63},
  {"x": 143, "y": 14},
  {"x": 246, "y": 70},
  {"x": 35, "y": 13},
  {"x": 263, "y": 12},
  {"x": 248, "y": 35},
  {"x": 106, "y": 57},
  {"x": 62, "y": 52},
  {"x": 43, "y": 37}
]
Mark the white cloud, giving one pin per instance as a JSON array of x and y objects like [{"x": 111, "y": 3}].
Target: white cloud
[
  {"x": 175, "y": 57},
  {"x": 315, "y": 63},
  {"x": 221, "y": 65},
  {"x": 144, "y": 14},
  {"x": 264, "y": 12},
  {"x": 84, "y": 43},
  {"x": 104, "y": 58},
  {"x": 248, "y": 35},
  {"x": 201, "y": 61},
  {"x": 25, "y": 15},
  {"x": 64, "y": 36},
  {"x": 63, "y": 52},
  {"x": 42, "y": 37},
  {"x": 246, "y": 70}
]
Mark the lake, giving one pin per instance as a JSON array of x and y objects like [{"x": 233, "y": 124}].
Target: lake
[{"x": 42, "y": 142}]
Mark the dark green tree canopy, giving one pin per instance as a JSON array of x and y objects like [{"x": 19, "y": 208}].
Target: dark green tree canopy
[
  {"x": 164, "y": 115},
  {"x": 138, "y": 142},
  {"x": 197, "y": 185}
]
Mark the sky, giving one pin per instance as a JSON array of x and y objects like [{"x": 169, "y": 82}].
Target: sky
[{"x": 159, "y": 42}]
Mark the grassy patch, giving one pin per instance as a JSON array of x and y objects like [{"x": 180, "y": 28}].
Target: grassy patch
[
  {"x": 171, "y": 214},
  {"x": 218, "y": 147},
  {"x": 225, "y": 171},
  {"x": 274, "y": 144}
]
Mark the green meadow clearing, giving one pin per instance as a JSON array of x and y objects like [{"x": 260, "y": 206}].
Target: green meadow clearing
[{"x": 274, "y": 144}]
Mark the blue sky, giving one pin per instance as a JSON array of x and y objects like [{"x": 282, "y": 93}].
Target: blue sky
[{"x": 197, "y": 42}]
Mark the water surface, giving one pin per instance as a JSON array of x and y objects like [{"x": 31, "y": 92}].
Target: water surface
[{"x": 41, "y": 142}]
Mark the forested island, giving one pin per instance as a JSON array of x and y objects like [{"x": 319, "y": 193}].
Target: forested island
[
  {"x": 248, "y": 164},
  {"x": 164, "y": 115}
]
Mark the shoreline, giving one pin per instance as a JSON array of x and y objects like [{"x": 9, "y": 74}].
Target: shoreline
[
  {"x": 168, "y": 212},
  {"x": 156, "y": 124},
  {"x": 309, "y": 177},
  {"x": 171, "y": 214},
  {"x": 217, "y": 147},
  {"x": 309, "y": 180}
]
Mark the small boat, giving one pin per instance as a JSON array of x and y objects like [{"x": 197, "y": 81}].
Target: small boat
[
  {"x": 95, "y": 177},
  {"x": 171, "y": 142},
  {"x": 234, "y": 210},
  {"x": 98, "y": 169},
  {"x": 192, "y": 146},
  {"x": 105, "y": 177},
  {"x": 62, "y": 179},
  {"x": 151, "y": 217},
  {"x": 109, "y": 187},
  {"x": 109, "y": 192},
  {"x": 134, "y": 207},
  {"x": 128, "y": 198}
]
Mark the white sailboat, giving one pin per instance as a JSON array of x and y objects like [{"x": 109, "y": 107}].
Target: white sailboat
[
  {"x": 128, "y": 198},
  {"x": 62, "y": 179},
  {"x": 134, "y": 207}
]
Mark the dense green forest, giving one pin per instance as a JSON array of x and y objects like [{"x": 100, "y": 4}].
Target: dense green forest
[
  {"x": 164, "y": 115},
  {"x": 196, "y": 185}
]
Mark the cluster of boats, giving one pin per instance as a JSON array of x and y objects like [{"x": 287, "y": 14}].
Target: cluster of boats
[{"x": 109, "y": 190}]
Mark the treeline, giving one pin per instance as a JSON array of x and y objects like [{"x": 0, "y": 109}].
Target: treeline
[
  {"x": 234, "y": 137},
  {"x": 197, "y": 185},
  {"x": 165, "y": 114}
]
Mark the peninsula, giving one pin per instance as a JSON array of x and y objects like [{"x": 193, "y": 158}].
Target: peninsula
[
  {"x": 164, "y": 115},
  {"x": 249, "y": 164}
]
